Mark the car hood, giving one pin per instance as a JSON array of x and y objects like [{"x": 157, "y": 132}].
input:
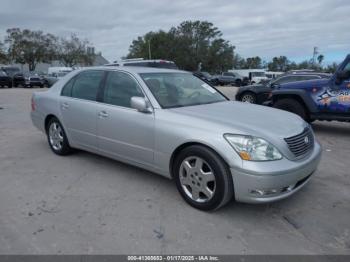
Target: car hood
[
  {"x": 242, "y": 118},
  {"x": 257, "y": 87},
  {"x": 305, "y": 84}
]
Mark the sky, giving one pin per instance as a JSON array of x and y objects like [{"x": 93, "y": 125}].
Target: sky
[{"x": 257, "y": 28}]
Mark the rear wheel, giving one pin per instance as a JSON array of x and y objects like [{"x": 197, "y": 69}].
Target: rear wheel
[
  {"x": 248, "y": 97},
  {"x": 202, "y": 178},
  {"x": 57, "y": 138},
  {"x": 293, "y": 106}
]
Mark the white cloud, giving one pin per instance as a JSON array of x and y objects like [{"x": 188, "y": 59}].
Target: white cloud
[{"x": 265, "y": 28}]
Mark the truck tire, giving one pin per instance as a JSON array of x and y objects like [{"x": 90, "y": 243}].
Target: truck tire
[{"x": 293, "y": 106}]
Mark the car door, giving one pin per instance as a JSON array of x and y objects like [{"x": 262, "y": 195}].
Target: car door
[
  {"x": 123, "y": 132},
  {"x": 79, "y": 107},
  {"x": 335, "y": 98}
]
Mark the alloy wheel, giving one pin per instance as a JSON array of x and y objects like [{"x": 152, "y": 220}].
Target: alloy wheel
[
  {"x": 248, "y": 98},
  {"x": 56, "y": 136},
  {"x": 197, "y": 179}
]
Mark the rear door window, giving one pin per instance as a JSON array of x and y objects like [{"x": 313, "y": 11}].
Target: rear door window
[{"x": 86, "y": 85}]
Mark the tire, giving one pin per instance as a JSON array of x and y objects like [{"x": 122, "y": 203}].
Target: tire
[
  {"x": 238, "y": 82},
  {"x": 190, "y": 178},
  {"x": 293, "y": 106},
  {"x": 57, "y": 138},
  {"x": 248, "y": 97},
  {"x": 9, "y": 85}
]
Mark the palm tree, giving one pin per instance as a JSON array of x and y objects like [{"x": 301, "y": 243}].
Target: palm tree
[{"x": 320, "y": 59}]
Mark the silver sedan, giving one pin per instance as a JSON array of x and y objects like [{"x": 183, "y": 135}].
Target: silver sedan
[{"x": 174, "y": 124}]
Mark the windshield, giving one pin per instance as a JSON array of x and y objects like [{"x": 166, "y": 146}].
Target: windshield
[
  {"x": 206, "y": 74},
  {"x": 2, "y": 73},
  {"x": 258, "y": 74},
  {"x": 180, "y": 89},
  {"x": 11, "y": 70}
]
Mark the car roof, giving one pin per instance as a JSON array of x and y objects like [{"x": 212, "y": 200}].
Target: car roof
[
  {"x": 306, "y": 74},
  {"x": 137, "y": 69}
]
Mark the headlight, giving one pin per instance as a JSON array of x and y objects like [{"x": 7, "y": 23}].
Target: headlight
[{"x": 253, "y": 148}]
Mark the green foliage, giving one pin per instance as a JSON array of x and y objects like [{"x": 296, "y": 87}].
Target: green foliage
[
  {"x": 3, "y": 55},
  {"x": 320, "y": 59},
  {"x": 30, "y": 47},
  {"x": 33, "y": 47},
  {"x": 188, "y": 45},
  {"x": 250, "y": 63},
  {"x": 72, "y": 51},
  {"x": 331, "y": 68},
  {"x": 281, "y": 64}
]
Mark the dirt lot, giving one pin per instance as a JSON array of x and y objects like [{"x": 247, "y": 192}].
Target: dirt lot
[{"x": 86, "y": 204}]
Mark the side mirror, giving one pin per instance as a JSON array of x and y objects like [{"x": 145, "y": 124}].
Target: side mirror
[{"x": 140, "y": 104}]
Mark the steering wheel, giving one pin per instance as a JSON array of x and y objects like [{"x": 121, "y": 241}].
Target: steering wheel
[{"x": 194, "y": 94}]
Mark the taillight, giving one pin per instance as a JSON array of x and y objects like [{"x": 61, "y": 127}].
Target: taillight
[{"x": 33, "y": 104}]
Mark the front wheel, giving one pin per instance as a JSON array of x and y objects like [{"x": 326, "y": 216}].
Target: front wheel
[
  {"x": 293, "y": 106},
  {"x": 248, "y": 97},
  {"x": 202, "y": 178},
  {"x": 57, "y": 138}
]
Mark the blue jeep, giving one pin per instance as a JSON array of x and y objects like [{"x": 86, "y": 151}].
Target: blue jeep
[{"x": 320, "y": 99}]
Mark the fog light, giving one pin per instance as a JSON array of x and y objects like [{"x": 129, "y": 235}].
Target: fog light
[{"x": 262, "y": 192}]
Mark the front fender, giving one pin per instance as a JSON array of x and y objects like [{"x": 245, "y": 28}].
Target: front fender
[{"x": 301, "y": 93}]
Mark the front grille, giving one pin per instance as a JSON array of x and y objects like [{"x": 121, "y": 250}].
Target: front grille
[
  {"x": 301, "y": 144},
  {"x": 34, "y": 79}
]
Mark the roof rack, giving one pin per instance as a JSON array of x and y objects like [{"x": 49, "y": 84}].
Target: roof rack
[{"x": 130, "y": 59}]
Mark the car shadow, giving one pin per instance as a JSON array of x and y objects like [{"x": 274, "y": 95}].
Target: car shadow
[
  {"x": 335, "y": 128},
  {"x": 233, "y": 208}
]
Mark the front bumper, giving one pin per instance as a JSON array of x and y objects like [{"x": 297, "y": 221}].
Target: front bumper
[
  {"x": 263, "y": 182},
  {"x": 267, "y": 103}
]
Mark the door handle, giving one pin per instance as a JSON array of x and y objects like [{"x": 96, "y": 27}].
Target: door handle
[
  {"x": 64, "y": 105},
  {"x": 103, "y": 114}
]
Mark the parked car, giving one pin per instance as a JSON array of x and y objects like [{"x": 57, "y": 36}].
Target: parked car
[
  {"x": 227, "y": 79},
  {"x": 272, "y": 75},
  {"x": 157, "y": 63},
  {"x": 5, "y": 80},
  {"x": 255, "y": 76},
  {"x": 258, "y": 94},
  {"x": 174, "y": 124},
  {"x": 28, "y": 79},
  {"x": 43, "y": 76},
  {"x": 320, "y": 99},
  {"x": 205, "y": 76},
  {"x": 10, "y": 70},
  {"x": 54, "y": 77}
]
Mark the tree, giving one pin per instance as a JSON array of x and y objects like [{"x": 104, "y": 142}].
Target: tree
[
  {"x": 3, "y": 55},
  {"x": 280, "y": 63},
  {"x": 188, "y": 45},
  {"x": 320, "y": 59},
  {"x": 331, "y": 68},
  {"x": 30, "y": 47},
  {"x": 238, "y": 62},
  {"x": 253, "y": 62},
  {"x": 73, "y": 51}
]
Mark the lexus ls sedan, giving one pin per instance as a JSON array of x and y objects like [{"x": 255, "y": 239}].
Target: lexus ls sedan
[{"x": 174, "y": 124}]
